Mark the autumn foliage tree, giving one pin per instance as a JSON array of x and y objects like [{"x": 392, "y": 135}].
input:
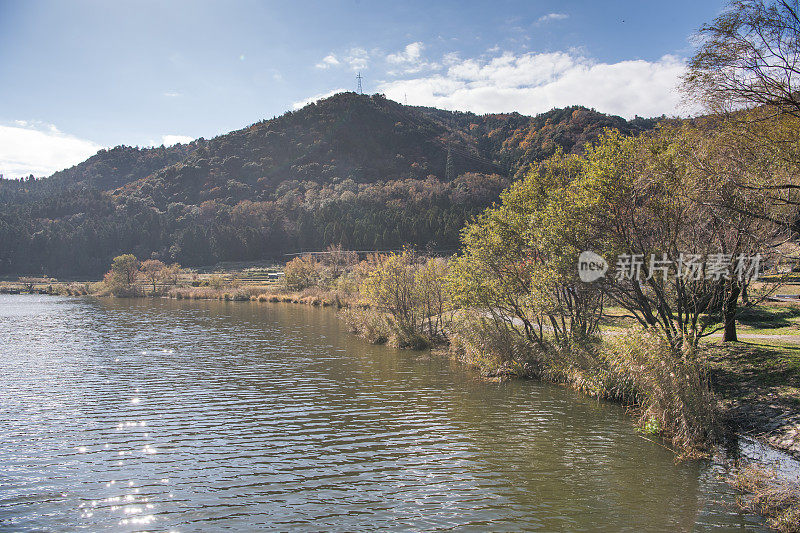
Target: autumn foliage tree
[
  {"x": 153, "y": 270},
  {"x": 121, "y": 278}
]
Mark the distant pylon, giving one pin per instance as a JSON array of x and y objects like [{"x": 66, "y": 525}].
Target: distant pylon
[
  {"x": 358, "y": 79},
  {"x": 448, "y": 169}
]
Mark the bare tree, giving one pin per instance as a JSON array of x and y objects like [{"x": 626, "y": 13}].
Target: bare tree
[{"x": 153, "y": 271}]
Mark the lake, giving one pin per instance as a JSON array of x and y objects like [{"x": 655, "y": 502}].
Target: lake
[{"x": 163, "y": 415}]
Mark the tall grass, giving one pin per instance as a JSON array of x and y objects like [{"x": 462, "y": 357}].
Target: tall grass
[
  {"x": 494, "y": 350},
  {"x": 668, "y": 391},
  {"x": 238, "y": 294},
  {"x": 381, "y": 328},
  {"x": 672, "y": 390}
]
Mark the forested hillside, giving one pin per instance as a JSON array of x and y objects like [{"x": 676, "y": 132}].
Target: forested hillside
[{"x": 362, "y": 171}]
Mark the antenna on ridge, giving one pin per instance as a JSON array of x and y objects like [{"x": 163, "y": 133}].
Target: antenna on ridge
[
  {"x": 448, "y": 169},
  {"x": 359, "y": 78}
]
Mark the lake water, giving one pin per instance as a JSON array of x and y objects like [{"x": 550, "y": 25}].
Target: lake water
[{"x": 159, "y": 415}]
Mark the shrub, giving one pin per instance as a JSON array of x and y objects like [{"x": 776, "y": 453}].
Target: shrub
[
  {"x": 301, "y": 273},
  {"x": 411, "y": 291},
  {"x": 216, "y": 282}
]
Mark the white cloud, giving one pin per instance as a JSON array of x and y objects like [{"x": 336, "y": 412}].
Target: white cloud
[
  {"x": 410, "y": 61},
  {"x": 302, "y": 103},
  {"x": 328, "y": 61},
  {"x": 355, "y": 59},
  {"x": 169, "y": 140},
  {"x": 410, "y": 54},
  {"x": 451, "y": 58},
  {"x": 39, "y": 149},
  {"x": 533, "y": 83},
  {"x": 172, "y": 94},
  {"x": 552, "y": 16}
]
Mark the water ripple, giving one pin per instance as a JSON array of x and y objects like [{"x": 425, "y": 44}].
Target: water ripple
[{"x": 186, "y": 416}]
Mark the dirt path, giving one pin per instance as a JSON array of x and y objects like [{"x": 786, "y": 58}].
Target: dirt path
[{"x": 791, "y": 339}]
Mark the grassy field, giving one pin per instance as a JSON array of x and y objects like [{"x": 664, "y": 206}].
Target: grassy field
[{"x": 757, "y": 371}]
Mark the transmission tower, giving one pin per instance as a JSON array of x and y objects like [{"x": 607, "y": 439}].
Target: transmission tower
[
  {"x": 448, "y": 169},
  {"x": 358, "y": 79}
]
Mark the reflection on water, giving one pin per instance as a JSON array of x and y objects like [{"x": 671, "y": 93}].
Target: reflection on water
[{"x": 130, "y": 415}]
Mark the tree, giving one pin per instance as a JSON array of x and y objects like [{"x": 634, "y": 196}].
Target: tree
[
  {"x": 749, "y": 56},
  {"x": 126, "y": 267},
  {"x": 121, "y": 278},
  {"x": 171, "y": 274},
  {"x": 730, "y": 180},
  {"x": 659, "y": 200},
  {"x": 153, "y": 270},
  {"x": 652, "y": 203},
  {"x": 747, "y": 73},
  {"x": 519, "y": 260}
]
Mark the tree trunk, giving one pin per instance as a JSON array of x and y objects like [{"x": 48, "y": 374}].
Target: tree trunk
[{"x": 729, "y": 314}]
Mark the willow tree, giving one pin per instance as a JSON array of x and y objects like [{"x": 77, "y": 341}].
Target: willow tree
[
  {"x": 746, "y": 73},
  {"x": 519, "y": 261},
  {"x": 749, "y": 56}
]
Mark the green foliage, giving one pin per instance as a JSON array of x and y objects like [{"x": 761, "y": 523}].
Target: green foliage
[
  {"x": 650, "y": 426},
  {"x": 410, "y": 290},
  {"x": 121, "y": 278},
  {"x": 520, "y": 257}
]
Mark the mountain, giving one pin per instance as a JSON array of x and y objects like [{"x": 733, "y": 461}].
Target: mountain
[
  {"x": 359, "y": 170},
  {"x": 105, "y": 171}
]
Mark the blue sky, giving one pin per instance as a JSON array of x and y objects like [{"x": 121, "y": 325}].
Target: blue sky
[{"x": 79, "y": 75}]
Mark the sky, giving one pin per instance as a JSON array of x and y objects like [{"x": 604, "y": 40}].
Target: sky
[{"x": 77, "y": 76}]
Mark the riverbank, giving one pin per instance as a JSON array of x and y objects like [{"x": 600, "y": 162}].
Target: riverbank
[
  {"x": 756, "y": 392},
  {"x": 758, "y": 383}
]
